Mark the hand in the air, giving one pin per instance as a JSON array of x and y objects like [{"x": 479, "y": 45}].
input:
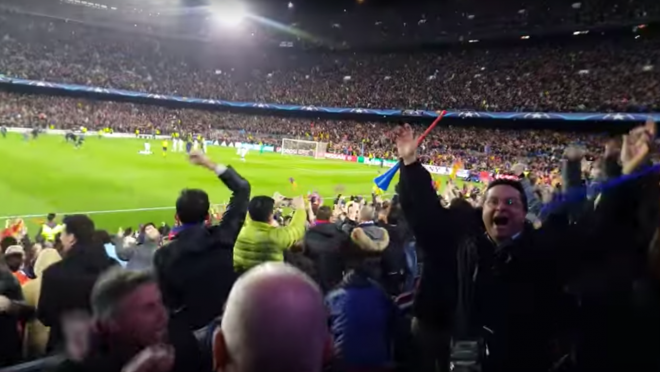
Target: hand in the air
[
  {"x": 198, "y": 158},
  {"x": 406, "y": 144},
  {"x": 637, "y": 146},
  {"x": 298, "y": 203},
  {"x": 574, "y": 153}
]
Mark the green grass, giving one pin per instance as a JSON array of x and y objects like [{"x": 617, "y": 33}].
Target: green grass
[{"x": 107, "y": 174}]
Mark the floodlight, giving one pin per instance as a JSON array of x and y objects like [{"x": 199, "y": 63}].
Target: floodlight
[{"x": 229, "y": 16}]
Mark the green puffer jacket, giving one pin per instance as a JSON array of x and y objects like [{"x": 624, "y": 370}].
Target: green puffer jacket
[{"x": 259, "y": 242}]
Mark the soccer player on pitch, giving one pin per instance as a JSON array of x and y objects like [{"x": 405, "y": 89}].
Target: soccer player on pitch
[
  {"x": 196, "y": 144},
  {"x": 203, "y": 144},
  {"x": 165, "y": 144},
  {"x": 79, "y": 141},
  {"x": 189, "y": 143}
]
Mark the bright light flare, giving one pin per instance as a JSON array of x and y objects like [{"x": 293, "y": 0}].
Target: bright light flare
[{"x": 229, "y": 15}]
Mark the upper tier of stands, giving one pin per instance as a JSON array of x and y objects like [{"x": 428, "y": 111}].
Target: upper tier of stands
[{"x": 604, "y": 76}]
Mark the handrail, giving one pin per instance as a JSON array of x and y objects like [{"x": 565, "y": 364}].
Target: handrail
[{"x": 35, "y": 365}]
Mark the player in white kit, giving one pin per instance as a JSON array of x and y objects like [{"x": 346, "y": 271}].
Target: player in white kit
[
  {"x": 243, "y": 151},
  {"x": 147, "y": 149}
]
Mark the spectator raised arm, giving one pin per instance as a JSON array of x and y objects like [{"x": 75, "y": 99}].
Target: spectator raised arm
[
  {"x": 199, "y": 253},
  {"x": 419, "y": 201},
  {"x": 234, "y": 216},
  {"x": 294, "y": 232}
]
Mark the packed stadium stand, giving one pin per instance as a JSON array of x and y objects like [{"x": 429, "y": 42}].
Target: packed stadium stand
[
  {"x": 601, "y": 74},
  {"x": 506, "y": 241}
]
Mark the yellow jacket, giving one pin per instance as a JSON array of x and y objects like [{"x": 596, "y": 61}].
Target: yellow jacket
[
  {"x": 259, "y": 242},
  {"x": 36, "y": 334}
]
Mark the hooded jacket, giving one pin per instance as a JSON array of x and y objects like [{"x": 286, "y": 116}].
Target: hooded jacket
[
  {"x": 370, "y": 238},
  {"x": 195, "y": 270}
]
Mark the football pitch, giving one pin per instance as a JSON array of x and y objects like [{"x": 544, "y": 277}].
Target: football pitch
[{"x": 118, "y": 187}]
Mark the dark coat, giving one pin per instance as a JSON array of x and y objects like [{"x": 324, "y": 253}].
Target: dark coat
[
  {"x": 393, "y": 260},
  {"x": 67, "y": 286},
  {"x": 195, "y": 271},
  {"x": 110, "y": 356},
  {"x": 11, "y": 347},
  {"x": 518, "y": 304},
  {"x": 324, "y": 245},
  {"x": 616, "y": 292}
]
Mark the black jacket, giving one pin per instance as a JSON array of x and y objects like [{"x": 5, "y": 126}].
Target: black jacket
[
  {"x": 11, "y": 347},
  {"x": 393, "y": 260},
  {"x": 518, "y": 304},
  {"x": 324, "y": 245},
  {"x": 195, "y": 271},
  {"x": 616, "y": 292},
  {"x": 112, "y": 356},
  {"x": 67, "y": 286}
]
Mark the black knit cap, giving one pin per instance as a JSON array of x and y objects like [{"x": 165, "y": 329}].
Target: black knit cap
[{"x": 513, "y": 183}]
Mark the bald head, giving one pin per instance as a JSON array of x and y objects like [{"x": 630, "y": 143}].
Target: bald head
[
  {"x": 275, "y": 320},
  {"x": 367, "y": 214}
]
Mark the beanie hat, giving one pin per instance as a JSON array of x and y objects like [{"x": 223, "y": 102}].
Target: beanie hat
[{"x": 512, "y": 183}]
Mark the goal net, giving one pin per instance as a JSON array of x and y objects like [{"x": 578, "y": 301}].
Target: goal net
[{"x": 304, "y": 148}]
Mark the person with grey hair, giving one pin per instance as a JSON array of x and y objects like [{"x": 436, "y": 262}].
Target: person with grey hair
[
  {"x": 130, "y": 330},
  {"x": 367, "y": 235},
  {"x": 275, "y": 321}
]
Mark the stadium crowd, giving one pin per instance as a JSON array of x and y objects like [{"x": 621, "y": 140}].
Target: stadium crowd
[
  {"x": 601, "y": 76},
  {"x": 359, "y": 25},
  {"x": 489, "y": 290},
  {"x": 475, "y": 149},
  {"x": 511, "y": 275}
]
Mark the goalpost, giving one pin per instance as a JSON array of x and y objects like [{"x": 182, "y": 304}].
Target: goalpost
[{"x": 304, "y": 148}]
